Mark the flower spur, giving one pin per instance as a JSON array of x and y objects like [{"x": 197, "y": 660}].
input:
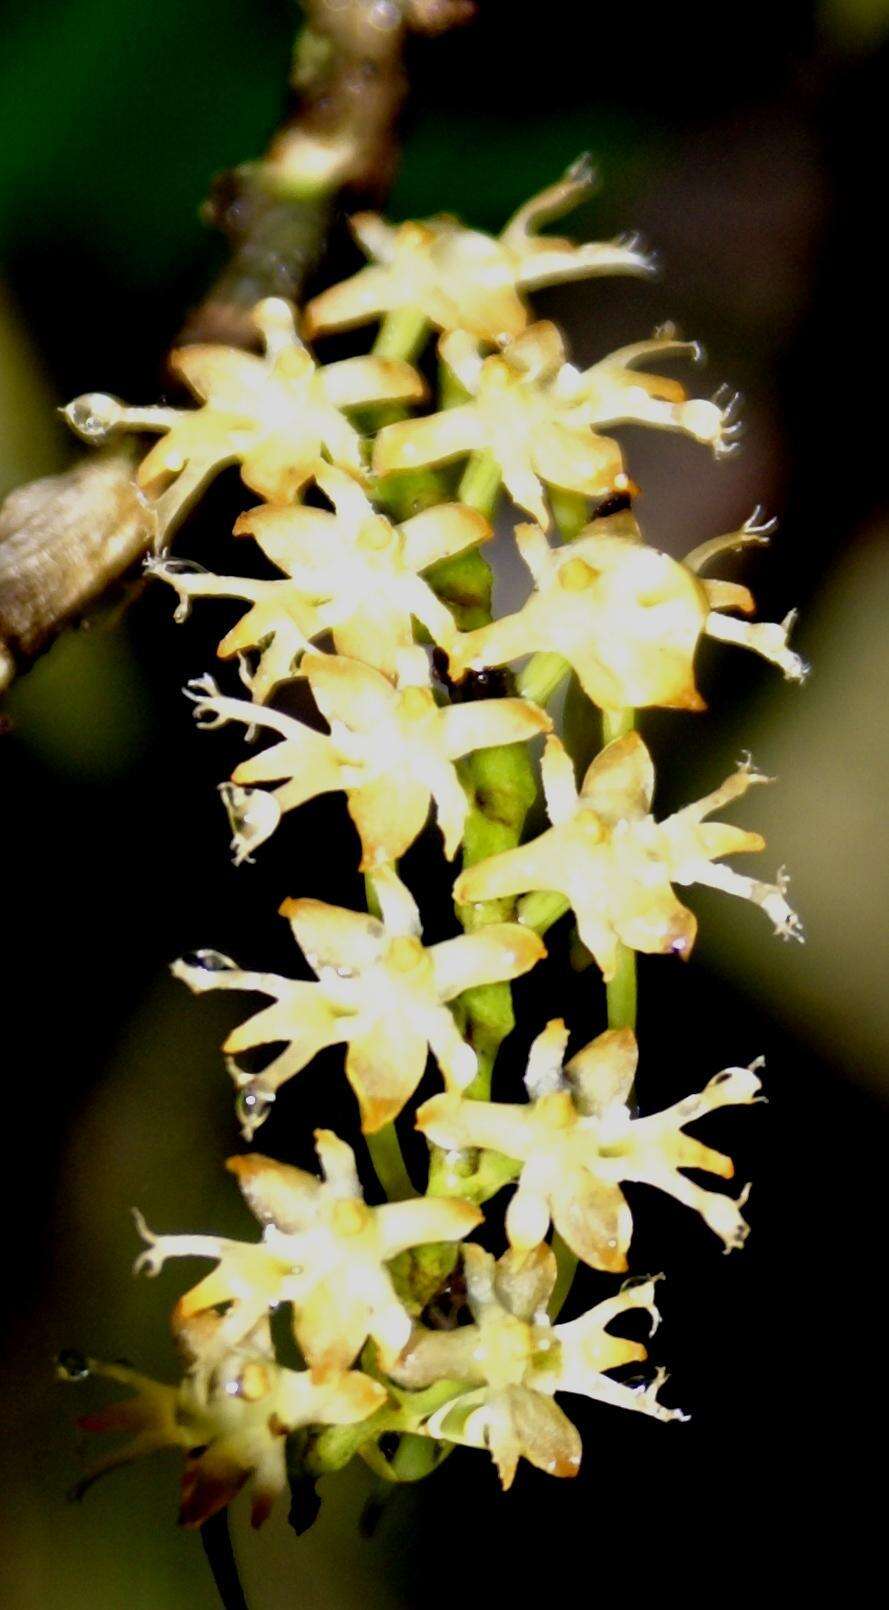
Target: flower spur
[
  {"x": 379, "y": 990},
  {"x": 577, "y": 1143},
  {"x": 615, "y": 865}
]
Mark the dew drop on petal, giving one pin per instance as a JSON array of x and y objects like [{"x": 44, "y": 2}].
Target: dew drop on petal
[
  {"x": 252, "y": 1107},
  {"x": 209, "y": 961},
  {"x": 93, "y": 416}
]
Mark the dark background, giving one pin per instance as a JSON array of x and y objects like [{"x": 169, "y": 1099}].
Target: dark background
[{"x": 749, "y": 147}]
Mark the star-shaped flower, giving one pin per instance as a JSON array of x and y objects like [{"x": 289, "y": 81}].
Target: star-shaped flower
[
  {"x": 627, "y": 618},
  {"x": 461, "y": 279},
  {"x": 578, "y": 1144},
  {"x": 615, "y": 865},
  {"x": 513, "y": 1360},
  {"x": 275, "y": 415},
  {"x": 361, "y": 573},
  {"x": 379, "y": 990},
  {"x": 231, "y": 1426},
  {"x": 541, "y": 419},
  {"x": 391, "y": 749},
  {"x": 323, "y": 1250}
]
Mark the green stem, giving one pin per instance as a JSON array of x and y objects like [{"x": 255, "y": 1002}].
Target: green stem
[
  {"x": 541, "y": 909},
  {"x": 616, "y": 724},
  {"x": 402, "y": 334},
  {"x": 544, "y": 673},
  {"x": 620, "y": 991},
  {"x": 542, "y": 677},
  {"x": 620, "y": 995},
  {"x": 389, "y": 1164},
  {"x": 571, "y": 511},
  {"x": 566, "y": 1268},
  {"x": 480, "y": 484}
]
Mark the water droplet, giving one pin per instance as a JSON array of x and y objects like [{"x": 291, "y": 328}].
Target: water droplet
[
  {"x": 93, "y": 415},
  {"x": 72, "y": 1364},
  {"x": 252, "y": 1108},
  {"x": 179, "y": 567},
  {"x": 209, "y": 961},
  {"x": 252, "y": 816}
]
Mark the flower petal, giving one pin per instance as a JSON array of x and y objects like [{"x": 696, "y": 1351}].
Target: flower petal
[
  {"x": 330, "y": 936},
  {"x": 501, "y": 950},
  {"x": 276, "y": 1193}
]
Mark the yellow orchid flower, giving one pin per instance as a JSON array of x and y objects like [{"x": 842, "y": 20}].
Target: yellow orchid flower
[
  {"x": 541, "y": 419},
  {"x": 517, "y": 414},
  {"x": 461, "y": 279},
  {"x": 390, "y": 749},
  {"x": 627, "y": 618},
  {"x": 578, "y": 1143},
  {"x": 361, "y": 573},
  {"x": 514, "y": 1360},
  {"x": 231, "y": 1426},
  {"x": 379, "y": 990},
  {"x": 323, "y": 1250},
  {"x": 275, "y": 415},
  {"x": 615, "y": 865}
]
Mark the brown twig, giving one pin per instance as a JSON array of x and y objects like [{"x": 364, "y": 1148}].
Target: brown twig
[{"x": 68, "y": 539}]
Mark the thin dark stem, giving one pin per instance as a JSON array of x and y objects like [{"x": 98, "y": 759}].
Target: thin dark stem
[{"x": 217, "y": 1542}]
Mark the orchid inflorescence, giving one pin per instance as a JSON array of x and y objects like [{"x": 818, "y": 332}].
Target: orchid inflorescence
[{"x": 377, "y": 599}]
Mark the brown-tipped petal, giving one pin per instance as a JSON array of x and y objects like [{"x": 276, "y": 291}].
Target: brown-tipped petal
[
  {"x": 389, "y": 814},
  {"x": 524, "y": 1281},
  {"x": 619, "y": 785},
  {"x": 539, "y": 864},
  {"x": 276, "y": 1193},
  {"x": 502, "y": 950},
  {"x": 348, "y": 691},
  {"x": 330, "y": 1327},
  {"x": 490, "y": 722},
  {"x": 439, "y": 532},
  {"x": 578, "y": 460},
  {"x": 544, "y": 1434},
  {"x": 425, "y": 1219},
  {"x": 594, "y": 1220},
  {"x": 413, "y": 442},
  {"x": 356, "y": 381},
  {"x": 384, "y": 1065},
  {"x": 603, "y": 1072},
  {"x": 330, "y": 936}
]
